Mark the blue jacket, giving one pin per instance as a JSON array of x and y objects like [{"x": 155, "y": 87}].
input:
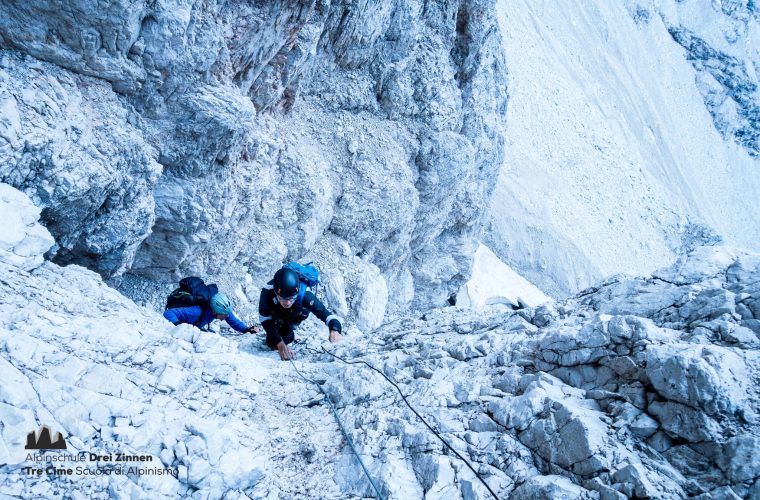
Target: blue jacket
[{"x": 199, "y": 317}]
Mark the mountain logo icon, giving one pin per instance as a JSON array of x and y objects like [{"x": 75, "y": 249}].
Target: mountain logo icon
[{"x": 41, "y": 440}]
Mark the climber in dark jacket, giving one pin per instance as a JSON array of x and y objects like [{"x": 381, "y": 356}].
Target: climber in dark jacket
[
  {"x": 220, "y": 308},
  {"x": 280, "y": 312}
]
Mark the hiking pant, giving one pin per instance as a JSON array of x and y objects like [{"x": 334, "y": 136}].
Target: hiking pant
[{"x": 286, "y": 331}]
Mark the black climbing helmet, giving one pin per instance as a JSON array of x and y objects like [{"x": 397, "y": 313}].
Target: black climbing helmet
[{"x": 286, "y": 283}]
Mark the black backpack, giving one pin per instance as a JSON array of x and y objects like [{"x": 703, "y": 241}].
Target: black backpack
[{"x": 192, "y": 291}]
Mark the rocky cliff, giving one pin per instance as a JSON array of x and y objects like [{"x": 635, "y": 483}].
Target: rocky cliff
[
  {"x": 143, "y": 141},
  {"x": 221, "y": 138},
  {"x": 634, "y": 388}
]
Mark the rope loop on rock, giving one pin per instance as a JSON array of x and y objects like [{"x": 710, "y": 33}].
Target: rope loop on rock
[{"x": 342, "y": 429}]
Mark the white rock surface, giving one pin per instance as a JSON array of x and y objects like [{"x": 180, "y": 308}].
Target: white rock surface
[
  {"x": 710, "y": 378},
  {"x": 223, "y": 139},
  {"x": 159, "y": 143},
  {"x": 158, "y": 139},
  {"x": 124, "y": 381},
  {"x": 23, "y": 241},
  {"x": 598, "y": 396},
  {"x": 71, "y": 146}
]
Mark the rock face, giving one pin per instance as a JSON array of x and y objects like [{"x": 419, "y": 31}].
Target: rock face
[
  {"x": 223, "y": 138},
  {"x": 23, "y": 241},
  {"x": 66, "y": 141},
  {"x": 637, "y": 387},
  {"x": 632, "y": 136},
  {"x": 716, "y": 39}
]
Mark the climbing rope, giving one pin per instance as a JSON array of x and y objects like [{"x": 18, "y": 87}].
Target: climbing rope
[
  {"x": 437, "y": 434},
  {"x": 342, "y": 429}
]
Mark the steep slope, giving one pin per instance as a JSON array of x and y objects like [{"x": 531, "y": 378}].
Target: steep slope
[
  {"x": 222, "y": 138},
  {"x": 722, "y": 43},
  {"x": 114, "y": 377},
  {"x": 643, "y": 387},
  {"x": 621, "y": 154},
  {"x": 638, "y": 387}
]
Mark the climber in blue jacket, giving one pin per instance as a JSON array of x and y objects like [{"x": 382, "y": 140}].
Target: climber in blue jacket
[{"x": 220, "y": 308}]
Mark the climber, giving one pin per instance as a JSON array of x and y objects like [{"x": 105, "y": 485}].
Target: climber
[
  {"x": 282, "y": 308},
  {"x": 199, "y": 304}
]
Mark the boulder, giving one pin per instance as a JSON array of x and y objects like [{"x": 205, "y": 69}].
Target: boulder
[
  {"x": 705, "y": 377},
  {"x": 708, "y": 304},
  {"x": 550, "y": 488},
  {"x": 573, "y": 438},
  {"x": 23, "y": 241},
  {"x": 685, "y": 422},
  {"x": 638, "y": 476},
  {"x": 741, "y": 458}
]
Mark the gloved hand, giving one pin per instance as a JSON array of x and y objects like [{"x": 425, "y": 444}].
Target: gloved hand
[{"x": 253, "y": 329}]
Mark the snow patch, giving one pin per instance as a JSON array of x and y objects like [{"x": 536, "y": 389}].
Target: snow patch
[{"x": 494, "y": 282}]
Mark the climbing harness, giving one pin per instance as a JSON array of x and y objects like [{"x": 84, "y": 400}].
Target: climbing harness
[
  {"x": 342, "y": 429},
  {"x": 437, "y": 434}
]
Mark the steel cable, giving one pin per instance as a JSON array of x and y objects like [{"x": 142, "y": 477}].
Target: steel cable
[
  {"x": 343, "y": 429},
  {"x": 437, "y": 434}
]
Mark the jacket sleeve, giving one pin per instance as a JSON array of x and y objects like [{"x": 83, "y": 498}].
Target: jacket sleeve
[
  {"x": 265, "y": 315},
  {"x": 183, "y": 314},
  {"x": 235, "y": 322},
  {"x": 313, "y": 304}
]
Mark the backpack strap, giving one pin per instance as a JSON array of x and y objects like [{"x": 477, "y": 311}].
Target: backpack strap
[{"x": 301, "y": 292}]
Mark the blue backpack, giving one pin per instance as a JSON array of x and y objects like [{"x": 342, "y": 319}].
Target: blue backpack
[{"x": 308, "y": 275}]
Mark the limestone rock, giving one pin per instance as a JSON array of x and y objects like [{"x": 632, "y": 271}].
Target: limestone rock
[
  {"x": 684, "y": 422},
  {"x": 742, "y": 458},
  {"x": 710, "y": 378},
  {"x": 609, "y": 426},
  {"x": 222, "y": 140},
  {"x": 23, "y": 241},
  {"x": 550, "y": 487}
]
